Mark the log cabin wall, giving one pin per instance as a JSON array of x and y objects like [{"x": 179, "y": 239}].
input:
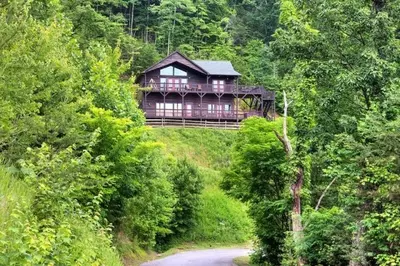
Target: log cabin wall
[
  {"x": 194, "y": 77},
  {"x": 189, "y": 106}
]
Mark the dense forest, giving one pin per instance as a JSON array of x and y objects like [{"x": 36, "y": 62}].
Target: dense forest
[{"x": 82, "y": 179}]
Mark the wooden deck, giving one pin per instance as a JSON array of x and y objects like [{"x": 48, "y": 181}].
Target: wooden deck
[
  {"x": 210, "y": 88},
  {"x": 200, "y": 113},
  {"x": 187, "y": 123}
]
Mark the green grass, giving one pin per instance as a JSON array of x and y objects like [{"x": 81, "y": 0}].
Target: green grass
[
  {"x": 222, "y": 220},
  {"x": 242, "y": 261},
  {"x": 206, "y": 147}
]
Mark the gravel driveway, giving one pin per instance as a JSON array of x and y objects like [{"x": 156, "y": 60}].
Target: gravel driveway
[{"x": 209, "y": 257}]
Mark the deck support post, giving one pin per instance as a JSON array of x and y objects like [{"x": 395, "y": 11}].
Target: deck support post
[
  {"x": 145, "y": 101},
  {"x": 237, "y": 108},
  {"x": 201, "y": 108},
  {"x": 164, "y": 104},
  {"x": 262, "y": 108},
  {"x": 220, "y": 107},
  {"x": 183, "y": 111}
]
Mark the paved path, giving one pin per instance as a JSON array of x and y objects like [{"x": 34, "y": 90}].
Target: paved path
[{"x": 209, "y": 257}]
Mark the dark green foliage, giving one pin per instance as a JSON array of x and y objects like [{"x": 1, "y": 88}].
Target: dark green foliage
[
  {"x": 188, "y": 184},
  {"x": 327, "y": 238},
  {"x": 340, "y": 65},
  {"x": 71, "y": 130},
  {"x": 257, "y": 175},
  {"x": 256, "y": 19}
]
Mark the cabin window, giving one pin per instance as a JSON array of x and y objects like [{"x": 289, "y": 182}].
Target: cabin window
[
  {"x": 172, "y": 71},
  {"x": 171, "y": 109},
  {"x": 177, "y": 109},
  {"x": 218, "y": 85},
  {"x": 175, "y": 84},
  {"x": 211, "y": 108},
  {"x": 163, "y": 82},
  {"x": 228, "y": 108},
  {"x": 180, "y": 73},
  {"x": 214, "y": 109},
  {"x": 167, "y": 71},
  {"x": 159, "y": 109}
]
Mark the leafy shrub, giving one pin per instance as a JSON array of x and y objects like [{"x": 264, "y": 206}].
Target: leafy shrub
[
  {"x": 188, "y": 184},
  {"x": 67, "y": 238},
  {"x": 327, "y": 237},
  {"x": 258, "y": 175},
  {"x": 146, "y": 195}
]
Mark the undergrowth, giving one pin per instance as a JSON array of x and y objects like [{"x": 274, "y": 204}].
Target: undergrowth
[{"x": 65, "y": 239}]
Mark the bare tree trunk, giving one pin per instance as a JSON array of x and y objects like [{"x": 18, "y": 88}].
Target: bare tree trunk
[
  {"x": 296, "y": 187},
  {"x": 357, "y": 252},
  {"x": 132, "y": 18},
  {"x": 146, "y": 34},
  {"x": 297, "y": 226},
  {"x": 323, "y": 194},
  {"x": 169, "y": 39}
]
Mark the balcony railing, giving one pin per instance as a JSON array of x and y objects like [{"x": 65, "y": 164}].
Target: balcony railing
[
  {"x": 210, "y": 88},
  {"x": 200, "y": 113}
]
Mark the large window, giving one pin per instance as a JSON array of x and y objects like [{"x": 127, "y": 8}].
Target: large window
[
  {"x": 173, "y": 84},
  {"x": 171, "y": 109},
  {"x": 218, "y": 85},
  {"x": 215, "y": 109},
  {"x": 167, "y": 71},
  {"x": 172, "y": 71}
]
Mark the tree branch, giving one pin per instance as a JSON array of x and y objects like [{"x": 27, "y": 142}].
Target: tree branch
[
  {"x": 323, "y": 193},
  {"x": 288, "y": 145}
]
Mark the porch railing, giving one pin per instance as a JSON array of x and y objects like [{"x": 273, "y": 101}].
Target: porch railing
[
  {"x": 166, "y": 122},
  {"x": 200, "y": 113},
  {"x": 196, "y": 87}
]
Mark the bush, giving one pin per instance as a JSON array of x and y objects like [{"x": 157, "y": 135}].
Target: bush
[
  {"x": 258, "y": 174},
  {"x": 67, "y": 239},
  {"x": 188, "y": 184},
  {"x": 327, "y": 237}
]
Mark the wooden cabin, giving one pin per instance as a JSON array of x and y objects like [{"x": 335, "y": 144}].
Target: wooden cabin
[{"x": 180, "y": 88}]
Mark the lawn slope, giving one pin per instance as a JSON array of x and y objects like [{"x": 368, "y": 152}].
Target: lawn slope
[{"x": 222, "y": 220}]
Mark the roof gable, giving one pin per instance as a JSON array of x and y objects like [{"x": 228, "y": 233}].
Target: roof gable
[{"x": 176, "y": 57}]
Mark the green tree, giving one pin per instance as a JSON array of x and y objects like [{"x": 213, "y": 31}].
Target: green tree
[
  {"x": 254, "y": 19},
  {"x": 344, "y": 69},
  {"x": 259, "y": 174}
]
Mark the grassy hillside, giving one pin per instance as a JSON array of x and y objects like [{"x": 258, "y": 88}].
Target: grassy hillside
[{"x": 222, "y": 220}]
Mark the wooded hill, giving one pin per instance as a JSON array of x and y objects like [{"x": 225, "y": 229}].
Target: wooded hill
[{"x": 78, "y": 167}]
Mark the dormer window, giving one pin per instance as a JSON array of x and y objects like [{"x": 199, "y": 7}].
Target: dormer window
[{"x": 173, "y": 71}]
